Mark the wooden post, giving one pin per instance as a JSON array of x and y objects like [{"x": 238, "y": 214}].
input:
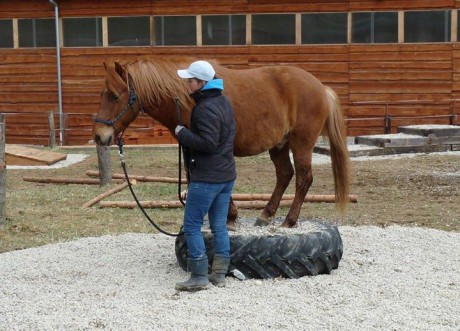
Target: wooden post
[
  {"x": 105, "y": 164},
  {"x": 52, "y": 130},
  {"x": 2, "y": 170}
]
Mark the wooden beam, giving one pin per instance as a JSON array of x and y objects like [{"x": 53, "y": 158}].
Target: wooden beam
[
  {"x": 401, "y": 27},
  {"x": 53, "y": 180},
  {"x": 308, "y": 198},
  {"x": 199, "y": 35},
  {"x": 15, "y": 33},
  {"x": 243, "y": 204},
  {"x": 298, "y": 29},
  {"x": 144, "y": 204},
  {"x": 92, "y": 173},
  {"x": 101, "y": 196},
  {"x": 105, "y": 33}
]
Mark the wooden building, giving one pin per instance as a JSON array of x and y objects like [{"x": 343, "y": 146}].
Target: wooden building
[{"x": 391, "y": 61}]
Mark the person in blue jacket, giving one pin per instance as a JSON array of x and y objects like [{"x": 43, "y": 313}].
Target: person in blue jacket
[{"x": 209, "y": 141}]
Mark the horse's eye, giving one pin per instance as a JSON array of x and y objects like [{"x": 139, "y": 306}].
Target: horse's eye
[{"x": 114, "y": 97}]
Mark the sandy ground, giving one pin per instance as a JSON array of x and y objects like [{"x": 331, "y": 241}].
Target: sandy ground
[{"x": 394, "y": 278}]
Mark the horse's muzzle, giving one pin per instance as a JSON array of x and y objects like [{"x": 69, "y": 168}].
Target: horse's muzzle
[
  {"x": 103, "y": 135},
  {"x": 99, "y": 141}
]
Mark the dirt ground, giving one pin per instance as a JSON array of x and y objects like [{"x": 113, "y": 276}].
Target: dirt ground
[
  {"x": 417, "y": 191},
  {"x": 409, "y": 190},
  {"x": 421, "y": 191}
]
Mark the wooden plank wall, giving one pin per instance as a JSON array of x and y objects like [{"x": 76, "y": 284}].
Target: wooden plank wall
[
  {"x": 413, "y": 83},
  {"x": 456, "y": 81},
  {"x": 410, "y": 83}
]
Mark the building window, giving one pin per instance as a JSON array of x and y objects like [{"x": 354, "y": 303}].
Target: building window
[
  {"x": 458, "y": 25},
  {"x": 129, "y": 31},
  {"x": 374, "y": 27},
  {"x": 273, "y": 29},
  {"x": 37, "y": 32},
  {"x": 175, "y": 30},
  {"x": 427, "y": 26},
  {"x": 224, "y": 30},
  {"x": 82, "y": 32},
  {"x": 6, "y": 34},
  {"x": 327, "y": 28}
]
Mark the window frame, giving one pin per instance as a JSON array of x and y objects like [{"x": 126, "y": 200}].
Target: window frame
[
  {"x": 293, "y": 42},
  {"x": 447, "y": 26},
  {"x": 230, "y": 32},
  {"x": 34, "y": 36},
  {"x": 346, "y": 14},
  {"x": 12, "y": 33},
  {"x": 451, "y": 30}
]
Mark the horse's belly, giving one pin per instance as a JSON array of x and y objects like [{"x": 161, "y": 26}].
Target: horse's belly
[{"x": 257, "y": 145}]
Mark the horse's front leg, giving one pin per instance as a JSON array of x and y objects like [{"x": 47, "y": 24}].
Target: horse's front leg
[
  {"x": 284, "y": 173},
  {"x": 304, "y": 179}
]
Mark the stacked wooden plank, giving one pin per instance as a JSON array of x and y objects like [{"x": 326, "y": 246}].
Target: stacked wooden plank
[
  {"x": 440, "y": 135},
  {"x": 409, "y": 139}
]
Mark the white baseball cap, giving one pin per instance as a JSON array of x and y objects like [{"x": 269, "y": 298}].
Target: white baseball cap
[{"x": 199, "y": 69}]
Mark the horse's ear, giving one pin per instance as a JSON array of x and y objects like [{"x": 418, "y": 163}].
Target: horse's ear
[{"x": 119, "y": 69}]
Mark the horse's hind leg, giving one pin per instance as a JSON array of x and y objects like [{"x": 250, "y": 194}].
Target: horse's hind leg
[
  {"x": 284, "y": 173},
  {"x": 304, "y": 179},
  {"x": 232, "y": 214}
]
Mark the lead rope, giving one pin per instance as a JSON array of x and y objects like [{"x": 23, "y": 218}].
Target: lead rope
[
  {"x": 123, "y": 165},
  {"x": 179, "y": 187}
]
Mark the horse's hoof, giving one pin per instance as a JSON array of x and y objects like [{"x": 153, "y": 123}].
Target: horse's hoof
[
  {"x": 288, "y": 225},
  {"x": 261, "y": 222},
  {"x": 232, "y": 226}
]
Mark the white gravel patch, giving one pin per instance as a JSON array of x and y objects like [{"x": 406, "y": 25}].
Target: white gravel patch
[
  {"x": 71, "y": 159},
  {"x": 394, "y": 278},
  {"x": 432, "y": 126}
]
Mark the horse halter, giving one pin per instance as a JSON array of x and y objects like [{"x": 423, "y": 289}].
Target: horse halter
[{"x": 132, "y": 98}]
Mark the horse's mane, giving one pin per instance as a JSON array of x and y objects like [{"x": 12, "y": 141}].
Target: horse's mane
[{"x": 156, "y": 81}]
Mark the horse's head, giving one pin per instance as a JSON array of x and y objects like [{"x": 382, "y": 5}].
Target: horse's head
[{"x": 119, "y": 106}]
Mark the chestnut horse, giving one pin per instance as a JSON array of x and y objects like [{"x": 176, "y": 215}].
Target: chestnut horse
[{"x": 281, "y": 109}]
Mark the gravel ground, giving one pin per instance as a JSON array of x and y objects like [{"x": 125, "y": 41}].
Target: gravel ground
[{"x": 394, "y": 278}]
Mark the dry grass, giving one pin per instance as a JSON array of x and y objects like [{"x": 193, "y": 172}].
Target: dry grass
[{"x": 419, "y": 191}]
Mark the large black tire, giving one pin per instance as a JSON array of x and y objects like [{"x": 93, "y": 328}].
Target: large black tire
[{"x": 270, "y": 256}]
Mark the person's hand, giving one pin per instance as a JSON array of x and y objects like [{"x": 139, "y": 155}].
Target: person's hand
[
  {"x": 183, "y": 195},
  {"x": 178, "y": 128}
]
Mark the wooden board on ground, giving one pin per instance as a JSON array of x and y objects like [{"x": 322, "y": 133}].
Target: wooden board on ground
[
  {"x": 21, "y": 155},
  {"x": 392, "y": 140},
  {"x": 354, "y": 150}
]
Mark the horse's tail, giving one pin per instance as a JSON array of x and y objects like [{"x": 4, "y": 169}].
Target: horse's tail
[{"x": 336, "y": 131}]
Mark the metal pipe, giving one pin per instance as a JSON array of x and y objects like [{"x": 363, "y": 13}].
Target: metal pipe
[{"x": 58, "y": 60}]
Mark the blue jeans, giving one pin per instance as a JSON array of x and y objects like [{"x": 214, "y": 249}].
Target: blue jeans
[{"x": 212, "y": 199}]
